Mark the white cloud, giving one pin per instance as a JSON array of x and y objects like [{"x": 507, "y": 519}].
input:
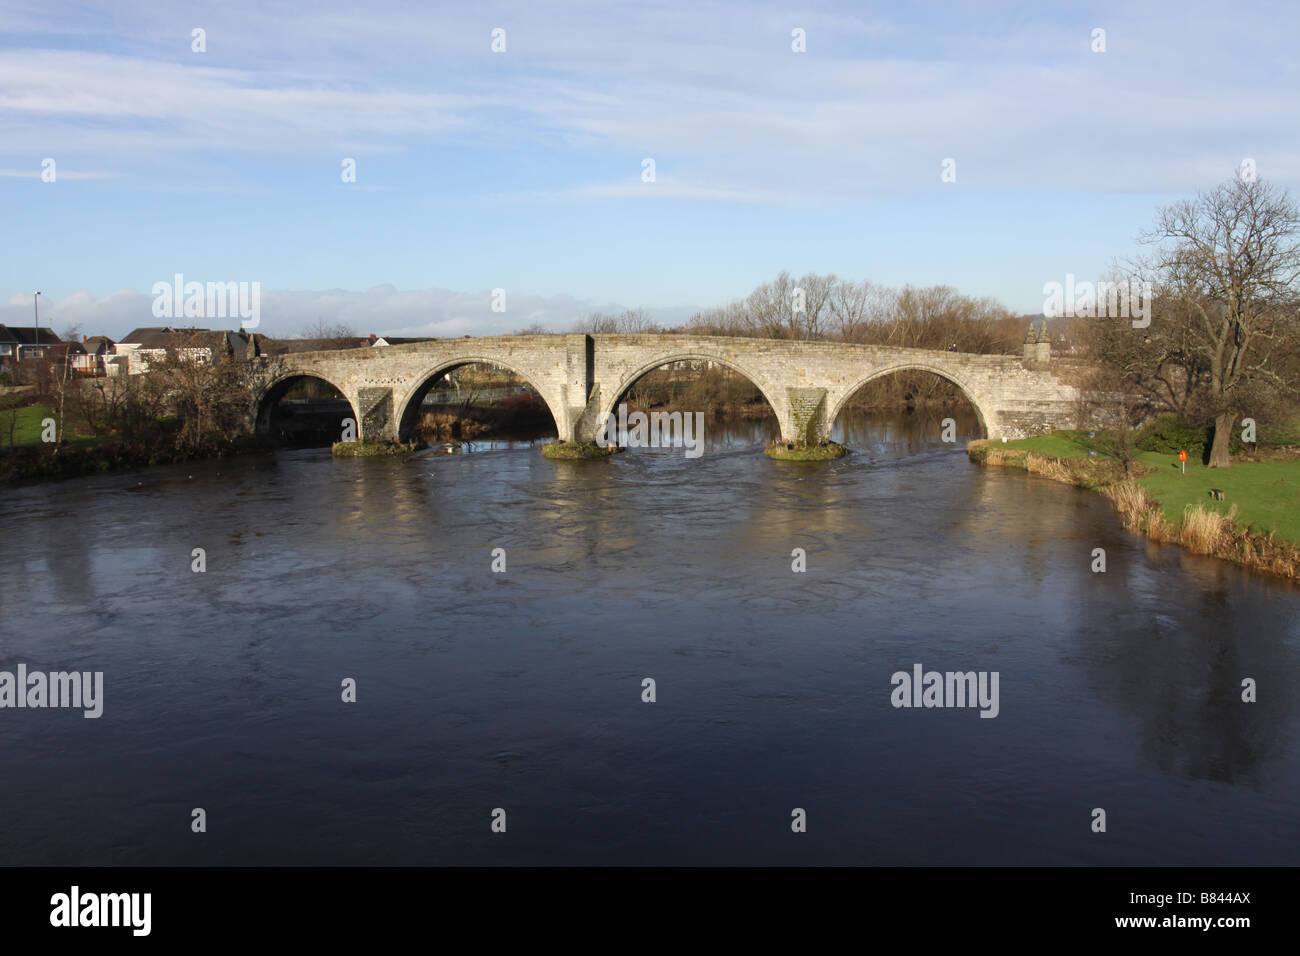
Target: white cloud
[
  {"x": 660, "y": 189},
  {"x": 60, "y": 173},
  {"x": 382, "y": 310},
  {"x": 204, "y": 107},
  {"x": 1019, "y": 99}
]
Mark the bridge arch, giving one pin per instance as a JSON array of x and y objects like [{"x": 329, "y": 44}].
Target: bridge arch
[
  {"x": 264, "y": 413},
  {"x": 608, "y": 406},
  {"x": 409, "y": 414},
  {"x": 983, "y": 413}
]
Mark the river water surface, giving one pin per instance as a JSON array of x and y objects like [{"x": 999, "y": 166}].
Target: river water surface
[{"x": 522, "y": 690}]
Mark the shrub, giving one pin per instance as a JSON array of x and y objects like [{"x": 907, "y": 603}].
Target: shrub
[
  {"x": 1285, "y": 432},
  {"x": 1170, "y": 434}
]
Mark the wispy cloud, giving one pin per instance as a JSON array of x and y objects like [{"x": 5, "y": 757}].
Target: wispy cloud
[
  {"x": 383, "y": 310},
  {"x": 60, "y": 173},
  {"x": 872, "y": 102},
  {"x": 635, "y": 189},
  {"x": 206, "y": 107}
]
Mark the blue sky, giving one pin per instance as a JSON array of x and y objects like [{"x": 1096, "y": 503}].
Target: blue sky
[{"x": 522, "y": 170}]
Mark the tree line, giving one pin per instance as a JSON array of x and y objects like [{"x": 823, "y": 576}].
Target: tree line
[
  {"x": 1221, "y": 342},
  {"x": 827, "y": 308}
]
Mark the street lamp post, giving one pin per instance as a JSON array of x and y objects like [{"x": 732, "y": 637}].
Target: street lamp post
[{"x": 36, "y": 332}]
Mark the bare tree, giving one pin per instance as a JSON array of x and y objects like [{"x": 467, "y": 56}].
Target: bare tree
[
  {"x": 770, "y": 308},
  {"x": 1159, "y": 365},
  {"x": 819, "y": 307},
  {"x": 1108, "y": 405},
  {"x": 11, "y": 417},
  {"x": 333, "y": 335},
  {"x": 814, "y": 295},
  {"x": 598, "y": 323},
  {"x": 637, "y": 322},
  {"x": 1228, "y": 265},
  {"x": 128, "y": 405},
  {"x": 730, "y": 319},
  {"x": 629, "y": 322},
  {"x": 213, "y": 398},
  {"x": 855, "y": 305}
]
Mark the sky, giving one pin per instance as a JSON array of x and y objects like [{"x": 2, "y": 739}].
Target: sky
[{"x": 524, "y": 169}]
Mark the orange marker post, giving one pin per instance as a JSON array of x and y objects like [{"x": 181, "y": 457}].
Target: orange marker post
[{"x": 1182, "y": 456}]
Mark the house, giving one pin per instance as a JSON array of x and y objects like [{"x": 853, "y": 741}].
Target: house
[
  {"x": 142, "y": 345},
  {"x": 20, "y": 343},
  {"x": 91, "y": 357}
]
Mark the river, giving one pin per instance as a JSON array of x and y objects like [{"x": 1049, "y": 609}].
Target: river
[{"x": 522, "y": 690}]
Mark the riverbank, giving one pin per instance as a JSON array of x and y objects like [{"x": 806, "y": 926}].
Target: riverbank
[
  {"x": 523, "y": 416},
  {"x": 23, "y": 424},
  {"x": 49, "y": 462},
  {"x": 1255, "y": 522}
]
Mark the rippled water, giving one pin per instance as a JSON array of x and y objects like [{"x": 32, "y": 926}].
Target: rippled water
[{"x": 522, "y": 690}]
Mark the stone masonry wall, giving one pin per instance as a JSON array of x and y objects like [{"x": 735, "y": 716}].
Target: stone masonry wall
[{"x": 581, "y": 376}]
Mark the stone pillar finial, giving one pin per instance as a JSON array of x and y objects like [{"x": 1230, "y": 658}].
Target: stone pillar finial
[{"x": 1043, "y": 345}]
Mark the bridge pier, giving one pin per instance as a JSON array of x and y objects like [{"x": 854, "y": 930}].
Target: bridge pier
[
  {"x": 577, "y": 387},
  {"x": 378, "y": 418},
  {"x": 585, "y": 420},
  {"x": 806, "y": 418}
]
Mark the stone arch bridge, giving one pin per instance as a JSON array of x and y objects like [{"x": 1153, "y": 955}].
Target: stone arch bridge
[{"x": 580, "y": 376}]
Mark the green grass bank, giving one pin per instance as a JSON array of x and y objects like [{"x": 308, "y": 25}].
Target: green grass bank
[{"x": 1256, "y": 522}]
